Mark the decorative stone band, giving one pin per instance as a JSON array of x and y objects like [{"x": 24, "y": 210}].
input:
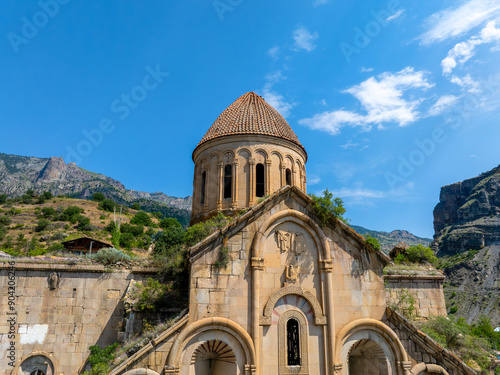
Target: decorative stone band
[
  {"x": 326, "y": 265},
  {"x": 319, "y": 317},
  {"x": 171, "y": 370},
  {"x": 257, "y": 263},
  {"x": 405, "y": 365}
]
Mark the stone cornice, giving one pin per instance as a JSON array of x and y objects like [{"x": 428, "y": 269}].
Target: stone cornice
[{"x": 24, "y": 266}]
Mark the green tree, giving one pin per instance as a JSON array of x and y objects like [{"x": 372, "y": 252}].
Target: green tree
[
  {"x": 169, "y": 222},
  {"x": 83, "y": 223},
  {"x": 48, "y": 195},
  {"x": 42, "y": 225},
  {"x": 126, "y": 240},
  {"x": 98, "y": 197},
  {"x": 136, "y": 206},
  {"x": 3, "y": 198},
  {"x": 420, "y": 254},
  {"x": 141, "y": 218},
  {"x": 327, "y": 208},
  {"x": 107, "y": 205},
  {"x": 48, "y": 212}
]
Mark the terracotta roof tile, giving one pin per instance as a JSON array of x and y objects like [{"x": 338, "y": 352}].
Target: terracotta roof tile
[{"x": 250, "y": 114}]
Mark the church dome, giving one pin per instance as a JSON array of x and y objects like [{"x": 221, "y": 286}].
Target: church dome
[
  {"x": 248, "y": 153},
  {"x": 250, "y": 114}
]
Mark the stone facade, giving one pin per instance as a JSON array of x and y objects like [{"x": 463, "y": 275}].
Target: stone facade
[
  {"x": 295, "y": 296},
  {"x": 61, "y": 310}
]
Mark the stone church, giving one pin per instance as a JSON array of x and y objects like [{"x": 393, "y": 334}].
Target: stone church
[{"x": 293, "y": 295}]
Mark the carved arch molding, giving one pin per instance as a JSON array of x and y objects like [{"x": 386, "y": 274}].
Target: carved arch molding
[{"x": 319, "y": 317}]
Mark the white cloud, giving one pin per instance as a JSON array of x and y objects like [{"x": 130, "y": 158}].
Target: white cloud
[
  {"x": 278, "y": 101},
  {"x": 350, "y": 144},
  {"x": 395, "y": 15},
  {"x": 274, "y": 52},
  {"x": 463, "y": 51},
  {"x": 453, "y": 22},
  {"x": 304, "y": 39},
  {"x": 383, "y": 100},
  {"x": 442, "y": 104},
  {"x": 467, "y": 83},
  {"x": 313, "y": 180},
  {"x": 275, "y": 77},
  {"x": 361, "y": 195},
  {"x": 365, "y": 70}
]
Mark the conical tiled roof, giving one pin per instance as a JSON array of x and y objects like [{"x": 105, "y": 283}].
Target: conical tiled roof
[{"x": 250, "y": 114}]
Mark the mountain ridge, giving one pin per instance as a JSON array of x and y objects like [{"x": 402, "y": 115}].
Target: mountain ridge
[{"x": 21, "y": 173}]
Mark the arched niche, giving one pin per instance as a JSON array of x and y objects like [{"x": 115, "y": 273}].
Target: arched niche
[
  {"x": 39, "y": 361},
  {"x": 375, "y": 331},
  {"x": 205, "y": 330},
  {"x": 366, "y": 357}
]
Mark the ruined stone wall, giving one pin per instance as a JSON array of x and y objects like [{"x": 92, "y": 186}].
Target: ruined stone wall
[
  {"x": 426, "y": 290},
  {"x": 61, "y": 316}
]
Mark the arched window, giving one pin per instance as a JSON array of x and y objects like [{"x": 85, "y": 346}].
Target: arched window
[
  {"x": 288, "y": 176},
  {"x": 203, "y": 183},
  {"x": 293, "y": 347},
  {"x": 259, "y": 180},
  {"x": 228, "y": 180}
]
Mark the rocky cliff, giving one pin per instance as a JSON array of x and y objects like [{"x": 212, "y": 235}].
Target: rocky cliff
[
  {"x": 467, "y": 216},
  {"x": 467, "y": 242},
  {"x": 20, "y": 173}
]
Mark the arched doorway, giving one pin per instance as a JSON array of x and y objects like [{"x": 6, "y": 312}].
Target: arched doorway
[
  {"x": 36, "y": 365},
  {"x": 366, "y": 357},
  {"x": 214, "y": 357}
]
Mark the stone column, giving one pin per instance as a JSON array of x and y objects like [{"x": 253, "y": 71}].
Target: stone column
[
  {"x": 251, "y": 191},
  {"x": 257, "y": 265},
  {"x": 221, "y": 184},
  {"x": 294, "y": 176},
  {"x": 234, "y": 202},
  {"x": 267, "y": 177},
  {"x": 207, "y": 188},
  {"x": 326, "y": 268}
]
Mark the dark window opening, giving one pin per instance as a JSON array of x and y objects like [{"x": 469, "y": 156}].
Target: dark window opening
[
  {"x": 288, "y": 176},
  {"x": 203, "y": 182},
  {"x": 259, "y": 180},
  {"x": 38, "y": 372},
  {"x": 228, "y": 181},
  {"x": 292, "y": 334}
]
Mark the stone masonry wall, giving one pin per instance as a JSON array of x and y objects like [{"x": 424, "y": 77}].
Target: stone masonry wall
[
  {"x": 85, "y": 308},
  {"x": 427, "y": 291}
]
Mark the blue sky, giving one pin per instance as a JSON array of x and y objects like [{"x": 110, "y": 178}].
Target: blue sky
[{"x": 392, "y": 100}]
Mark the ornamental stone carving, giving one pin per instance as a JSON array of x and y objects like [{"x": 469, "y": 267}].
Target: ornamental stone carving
[
  {"x": 319, "y": 317},
  {"x": 54, "y": 278}
]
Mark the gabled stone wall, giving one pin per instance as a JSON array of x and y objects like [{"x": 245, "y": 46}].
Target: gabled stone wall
[{"x": 61, "y": 310}]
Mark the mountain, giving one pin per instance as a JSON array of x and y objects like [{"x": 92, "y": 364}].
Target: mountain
[
  {"x": 389, "y": 240},
  {"x": 21, "y": 173},
  {"x": 467, "y": 242},
  {"x": 467, "y": 216}
]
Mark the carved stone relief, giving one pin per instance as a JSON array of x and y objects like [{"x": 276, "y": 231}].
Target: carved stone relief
[{"x": 293, "y": 242}]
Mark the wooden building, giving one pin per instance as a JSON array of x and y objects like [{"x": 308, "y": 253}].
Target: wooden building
[{"x": 85, "y": 245}]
